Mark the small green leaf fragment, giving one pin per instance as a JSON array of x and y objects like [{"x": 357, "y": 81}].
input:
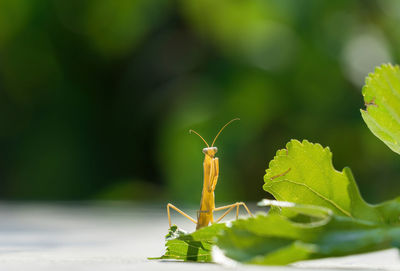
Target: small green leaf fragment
[
  {"x": 194, "y": 246},
  {"x": 174, "y": 232}
]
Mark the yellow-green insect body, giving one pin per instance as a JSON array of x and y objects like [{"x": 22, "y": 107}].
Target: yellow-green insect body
[
  {"x": 205, "y": 215},
  {"x": 207, "y": 204}
]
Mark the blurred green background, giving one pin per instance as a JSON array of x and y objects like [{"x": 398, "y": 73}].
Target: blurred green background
[{"x": 97, "y": 96}]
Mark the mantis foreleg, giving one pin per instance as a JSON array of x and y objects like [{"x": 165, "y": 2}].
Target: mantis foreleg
[{"x": 216, "y": 173}]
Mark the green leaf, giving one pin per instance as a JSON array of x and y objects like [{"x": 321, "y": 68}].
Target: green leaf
[
  {"x": 276, "y": 240},
  {"x": 194, "y": 246},
  {"x": 303, "y": 173},
  {"x": 382, "y": 100},
  {"x": 312, "y": 211},
  {"x": 390, "y": 211}
]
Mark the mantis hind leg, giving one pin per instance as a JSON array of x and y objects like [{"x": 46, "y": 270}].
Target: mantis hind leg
[
  {"x": 169, "y": 205},
  {"x": 230, "y": 207}
]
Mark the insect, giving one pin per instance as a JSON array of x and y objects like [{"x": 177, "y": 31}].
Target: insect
[{"x": 205, "y": 215}]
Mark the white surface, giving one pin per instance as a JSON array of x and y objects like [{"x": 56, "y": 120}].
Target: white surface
[{"x": 118, "y": 237}]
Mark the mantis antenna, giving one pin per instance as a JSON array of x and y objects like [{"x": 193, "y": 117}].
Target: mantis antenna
[
  {"x": 223, "y": 129},
  {"x": 193, "y": 131}
]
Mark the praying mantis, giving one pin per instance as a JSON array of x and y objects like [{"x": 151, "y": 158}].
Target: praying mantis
[{"x": 210, "y": 178}]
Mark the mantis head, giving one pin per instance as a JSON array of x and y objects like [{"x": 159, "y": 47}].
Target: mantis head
[{"x": 211, "y": 151}]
